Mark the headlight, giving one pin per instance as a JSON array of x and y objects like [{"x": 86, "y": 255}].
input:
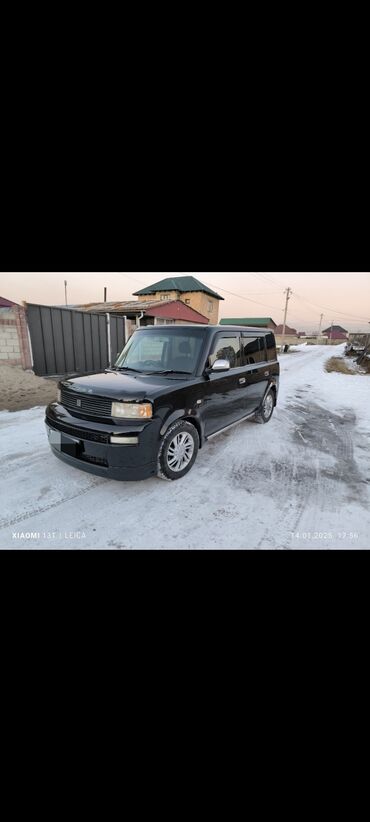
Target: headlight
[
  {"x": 59, "y": 395},
  {"x": 132, "y": 410}
]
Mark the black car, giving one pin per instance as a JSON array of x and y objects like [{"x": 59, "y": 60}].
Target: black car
[{"x": 172, "y": 388}]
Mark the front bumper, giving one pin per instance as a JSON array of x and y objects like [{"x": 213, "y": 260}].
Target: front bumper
[{"x": 85, "y": 444}]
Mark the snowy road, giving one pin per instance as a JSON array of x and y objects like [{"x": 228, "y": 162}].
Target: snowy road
[{"x": 301, "y": 481}]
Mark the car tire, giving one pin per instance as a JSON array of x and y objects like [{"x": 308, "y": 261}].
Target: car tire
[
  {"x": 265, "y": 412},
  {"x": 178, "y": 451}
]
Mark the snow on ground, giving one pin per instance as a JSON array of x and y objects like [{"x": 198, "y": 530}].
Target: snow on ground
[{"x": 301, "y": 481}]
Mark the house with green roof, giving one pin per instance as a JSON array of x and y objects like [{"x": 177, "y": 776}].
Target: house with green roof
[
  {"x": 188, "y": 289},
  {"x": 258, "y": 322}
]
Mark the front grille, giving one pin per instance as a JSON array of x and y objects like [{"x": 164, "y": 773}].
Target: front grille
[
  {"x": 80, "y": 433},
  {"x": 86, "y": 403}
]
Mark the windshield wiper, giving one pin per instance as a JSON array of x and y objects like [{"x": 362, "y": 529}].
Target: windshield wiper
[
  {"x": 127, "y": 368},
  {"x": 171, "y": 371}
]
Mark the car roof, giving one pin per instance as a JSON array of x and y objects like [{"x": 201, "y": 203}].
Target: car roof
[
  {"x": 252, "y": 328},
  {"x": 207, "y": 328}
]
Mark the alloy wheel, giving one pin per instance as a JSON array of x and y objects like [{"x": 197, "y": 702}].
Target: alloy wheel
[
  {"x": 180, "y": 451},
  {"x": 268, "y": 405}
]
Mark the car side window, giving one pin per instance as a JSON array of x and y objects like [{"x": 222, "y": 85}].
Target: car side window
[
  {"x": 270, "y": 345},
  {"x": 253, "y": 350},
  {"x": 226, "y": 348}
]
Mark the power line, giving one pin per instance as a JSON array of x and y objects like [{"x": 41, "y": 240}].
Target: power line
[
  {"x": 260, "y": 293},
  {"x": 266, "y": 305},
  {"x": 266, "y": 293},
  {"x": 349, "y": 317},
  {"x": 132, "y": 278},
  {"x": 241, "y": 297},
  {"x": 261, "y": 274},
  {"x": 342, "y": 313},
  {"x": 328, "y": 308}
]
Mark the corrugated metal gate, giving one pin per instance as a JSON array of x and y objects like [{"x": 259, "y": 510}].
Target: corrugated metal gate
[{"x": 65, "y": 341}]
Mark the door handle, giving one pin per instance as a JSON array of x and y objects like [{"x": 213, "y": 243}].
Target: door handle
[{"x": 242, "y": 380}]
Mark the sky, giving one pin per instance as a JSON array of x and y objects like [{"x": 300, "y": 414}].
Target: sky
[{"x": 343, "y": 298}]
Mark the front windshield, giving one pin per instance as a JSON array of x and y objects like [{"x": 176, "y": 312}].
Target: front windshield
[{"x": 153, "y": 352}]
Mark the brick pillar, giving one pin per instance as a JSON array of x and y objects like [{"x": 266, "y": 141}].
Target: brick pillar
[{"x": 20, "y": 315}]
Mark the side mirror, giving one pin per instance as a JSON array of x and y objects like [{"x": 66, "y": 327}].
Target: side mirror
[{"x": 221, "y": 365}]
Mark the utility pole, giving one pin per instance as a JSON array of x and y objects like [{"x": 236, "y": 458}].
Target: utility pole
[
  {"x": 321, "y": 316},
  {"x": 331, "y": 330},
  {"x": 288, "y": 292},
  {"x": 65, "y": 291},
  {"x": 105, "y": 294}
]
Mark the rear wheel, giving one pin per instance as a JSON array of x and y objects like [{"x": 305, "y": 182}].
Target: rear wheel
[
  {"x": 179, "y": 450},
  {"x": 265, "y": 412}
]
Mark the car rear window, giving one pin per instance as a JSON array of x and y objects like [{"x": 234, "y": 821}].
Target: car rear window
[
  {"x": 253, "y": 349},
  {"x": 270, "y": 345}
]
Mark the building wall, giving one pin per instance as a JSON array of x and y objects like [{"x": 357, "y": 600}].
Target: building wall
[
  {"x": 14, "y": 344},
  {"x": 162, "y": 321},
  {"x": 289, "y": 339},
  {"x": 130, "y": 327},
  {"x": 10, "y": 351},
  {"x": 320, "y": 341},
  {"x": 204, "y": 303},
  {"x": 172, "y": 295}
]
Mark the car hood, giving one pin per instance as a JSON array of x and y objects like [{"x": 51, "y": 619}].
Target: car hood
[{"x": 115, "y": 384}]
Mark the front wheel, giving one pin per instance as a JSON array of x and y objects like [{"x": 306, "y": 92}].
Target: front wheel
[
  {"x": 265, "y": 412},
  {"x": 178, "y": 450}
]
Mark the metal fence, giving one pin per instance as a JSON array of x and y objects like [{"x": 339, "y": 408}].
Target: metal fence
[{"x": 65, "y": 341}]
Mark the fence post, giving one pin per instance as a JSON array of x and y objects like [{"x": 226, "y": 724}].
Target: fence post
[
  {"x": 23, "y": 337},
  {"x": 108, "y": 340}
]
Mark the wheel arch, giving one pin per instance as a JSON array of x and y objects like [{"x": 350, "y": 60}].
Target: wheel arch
[
  {"x": 182, "y": 416},
  {"x": 273, "y": 389},
  {"x": 198, "y": 426}
]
